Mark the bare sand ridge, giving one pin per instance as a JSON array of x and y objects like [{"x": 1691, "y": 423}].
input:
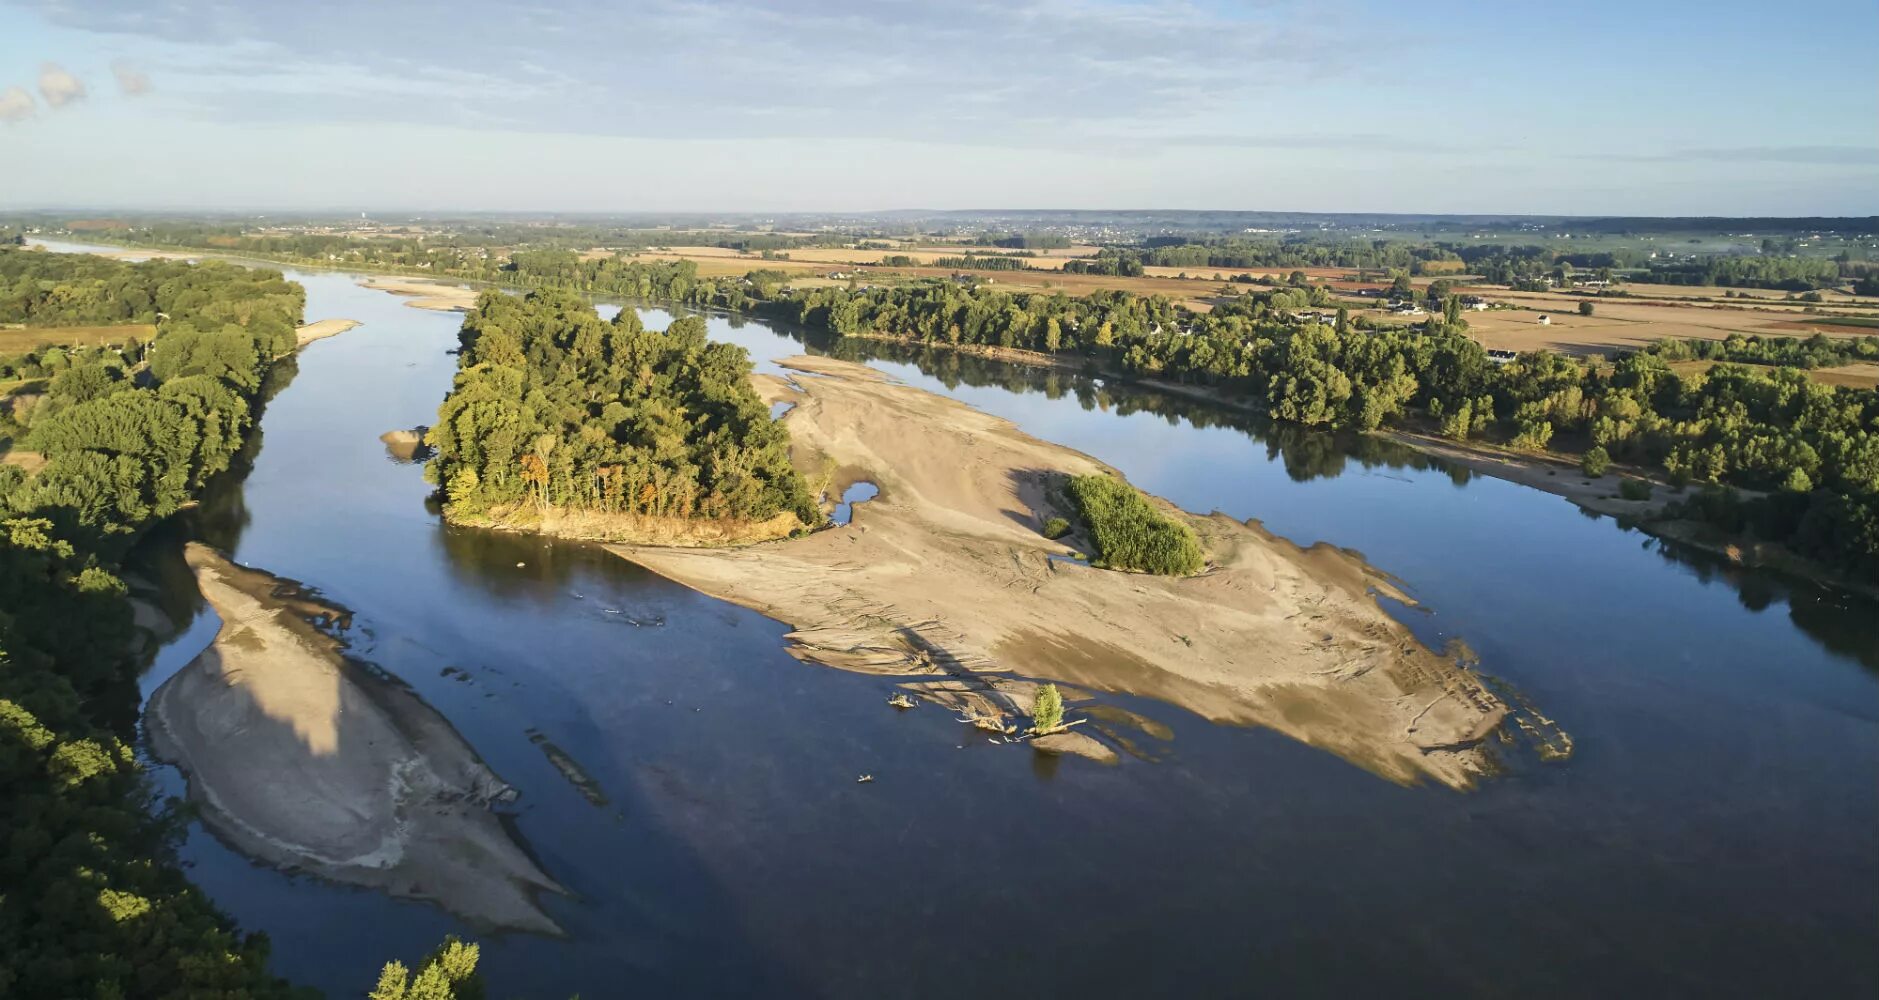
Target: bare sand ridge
[
  {"x": 945, "y": 578},
  {"x": 322, "y": 329},
  {"x": 301, "y": 758},
  {"x": 425, "y": 293}
]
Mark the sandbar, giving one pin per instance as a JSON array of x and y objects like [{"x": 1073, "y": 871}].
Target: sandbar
[
  {"x": 302, "y": 758},
  {"x": 945, "y": 579}
]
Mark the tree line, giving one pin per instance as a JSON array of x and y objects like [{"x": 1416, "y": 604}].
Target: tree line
[
  {"x": 555, "y": 408},
  {"x": 1754, "y": 427},
  {"x": 91, "y": 902}
]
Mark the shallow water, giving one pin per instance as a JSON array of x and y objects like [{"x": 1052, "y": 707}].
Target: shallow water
[{"x": 1714, "y": 832}]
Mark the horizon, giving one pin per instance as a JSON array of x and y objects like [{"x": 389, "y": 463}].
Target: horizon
[{"x": 835, "y": 105}]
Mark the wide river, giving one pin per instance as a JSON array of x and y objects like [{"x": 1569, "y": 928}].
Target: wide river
[{"x": 1716, "y": 831}]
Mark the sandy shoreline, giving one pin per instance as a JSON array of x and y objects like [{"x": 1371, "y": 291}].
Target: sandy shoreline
[
  {"x": 425, "y": 293},
  {"x": 1560, "y": 478},
  {"x": 944, "y": 578},
  {"x": 321, "y": 330},
  {"x": 303, "y": 759}
]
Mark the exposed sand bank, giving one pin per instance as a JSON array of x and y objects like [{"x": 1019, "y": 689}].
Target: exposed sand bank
[
  {"x": 943, "y": 577},
  {"x": 1548, "y": 475},
  {"x": 406, "y": 445},
  {"x": 425, "y": 293},
  {"x": 301, "y": 758},
  {"x": 322, "y": 329}
]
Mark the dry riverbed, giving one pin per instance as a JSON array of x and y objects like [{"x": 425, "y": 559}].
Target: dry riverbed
[
  {"x": 945, "y": 580},
  {"x": 301, "y": 758}
]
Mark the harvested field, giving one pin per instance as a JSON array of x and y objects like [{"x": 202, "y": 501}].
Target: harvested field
[{"x": 15, "y": 340}]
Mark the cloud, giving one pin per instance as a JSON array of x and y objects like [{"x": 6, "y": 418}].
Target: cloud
[
  {"x": 988, "y": 72},
  {"x": 1374, "y": 142},
  {"x": 131, "y": 81},
  {"x": 59, "y": 87},
  {"x": 1832, "y": 156},
  {"x": 16, "y": 105}
]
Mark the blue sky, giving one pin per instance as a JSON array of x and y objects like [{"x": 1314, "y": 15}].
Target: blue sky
[{"x": 1594, "y": 107}]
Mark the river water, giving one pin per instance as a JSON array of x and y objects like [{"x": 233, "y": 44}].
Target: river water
[{"x": 1716, "y": 831}]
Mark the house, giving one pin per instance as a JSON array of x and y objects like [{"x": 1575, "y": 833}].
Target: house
[
  {"x": 1502, "y": 357},
  {"x": 1545, "y": 320}
]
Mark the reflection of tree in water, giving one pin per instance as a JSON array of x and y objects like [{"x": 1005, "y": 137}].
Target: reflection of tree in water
[{"x": 1841, "y": 622}]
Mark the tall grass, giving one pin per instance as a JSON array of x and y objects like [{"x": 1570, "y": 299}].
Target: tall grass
[{"x": 1129, "y": 533}]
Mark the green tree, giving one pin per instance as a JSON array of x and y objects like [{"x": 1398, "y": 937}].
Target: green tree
[
  {"x": 1594, "y": 462},
  {"x": 1047, "y": 710}
]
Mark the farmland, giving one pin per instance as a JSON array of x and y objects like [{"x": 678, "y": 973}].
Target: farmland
[{"x": 16, "y": 339}]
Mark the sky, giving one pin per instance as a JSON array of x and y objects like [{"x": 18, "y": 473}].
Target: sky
[{"x": 1598, "y": 107}]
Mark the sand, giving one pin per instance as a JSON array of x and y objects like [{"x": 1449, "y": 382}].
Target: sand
[
  {"x": 300, "y": 758},
  {"x": 1547, "y": 473},
  {"x": 322, "y": 329},
  {"x": 944, "y": 579},
  {"x": 406, "y": 445},
  {"x": 425, "y": 293}
]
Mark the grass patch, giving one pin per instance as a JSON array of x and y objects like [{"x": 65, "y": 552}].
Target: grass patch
[
  {"x": 16, "y": 340},
  {"x": 1129, "y": 533}
]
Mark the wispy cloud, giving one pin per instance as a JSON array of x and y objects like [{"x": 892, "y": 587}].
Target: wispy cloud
[
  {"x": 981, "y": 71},
  {"x": 59, "y": 87},
  {"x": 131, "y": 81},
  {"x": 1859, "y": 156},
  {"x": 16, "y": 105},
  {"x": 1374, "y": 142}
]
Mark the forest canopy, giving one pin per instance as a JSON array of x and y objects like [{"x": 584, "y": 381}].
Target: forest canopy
[
  {"x": 556, "y": 409},
  {"x": 91, "y": 903}
]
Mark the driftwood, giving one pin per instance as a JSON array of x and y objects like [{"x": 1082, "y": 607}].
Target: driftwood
[
  {"x": 1034, "y": 732},
  {"x": 990, "y": 723},
  {"x": 901, "y": 701}
]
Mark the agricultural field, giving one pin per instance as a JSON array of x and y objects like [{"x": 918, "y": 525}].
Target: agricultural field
[
  {"x": 1616, "y": 326},
  {"x": 18, "y": 339}
]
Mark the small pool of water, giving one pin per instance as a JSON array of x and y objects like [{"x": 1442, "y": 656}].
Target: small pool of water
[{"x": 860, "y": 492}]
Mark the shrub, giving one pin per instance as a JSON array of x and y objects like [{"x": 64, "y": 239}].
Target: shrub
[
  {"x": 1634, "y": 489},
  {"x": 1056, "y": 527},
  {"x": 1595, "y": 462},
  {"x": 1585, "y": 308},
  {"x": 1047, "y": 709},
  {"x": 1129, "y": 533}
]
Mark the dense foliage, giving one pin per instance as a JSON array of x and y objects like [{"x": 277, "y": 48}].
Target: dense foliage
[
  {"x": 128, "y": 435},
  {"x": 1758, "y": 428},
  {"x": 90, "y": 904},
  {"x": 1237, "y": 253},
  {"x": 1129, "y": 533},
  {"x": 554, "y": 407},
  {"x": 448, "y": 974}
]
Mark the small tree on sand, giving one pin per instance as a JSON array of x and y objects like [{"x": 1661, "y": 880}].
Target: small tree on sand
[{"x": 1047, "y": 710}]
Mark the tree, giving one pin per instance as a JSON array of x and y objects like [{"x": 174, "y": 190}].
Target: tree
[
  {"x": 448, "y": 974},
  {"x": 1585, "y": 308},
  {"x": 1047, "y": 710},
  {"x": 1594, "y": 462}
]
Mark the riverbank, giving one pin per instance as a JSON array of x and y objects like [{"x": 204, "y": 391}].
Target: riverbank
[
  {"x": 300, "y": 758},
  {"x": 426, "y": 293},
  {"x": 631, "y": 529},
  {"x": 321, "y": 329},
  {"x": 945, "y": 579}
]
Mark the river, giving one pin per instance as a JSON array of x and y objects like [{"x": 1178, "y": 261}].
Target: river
[{"x": 1716, "y": 831}]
